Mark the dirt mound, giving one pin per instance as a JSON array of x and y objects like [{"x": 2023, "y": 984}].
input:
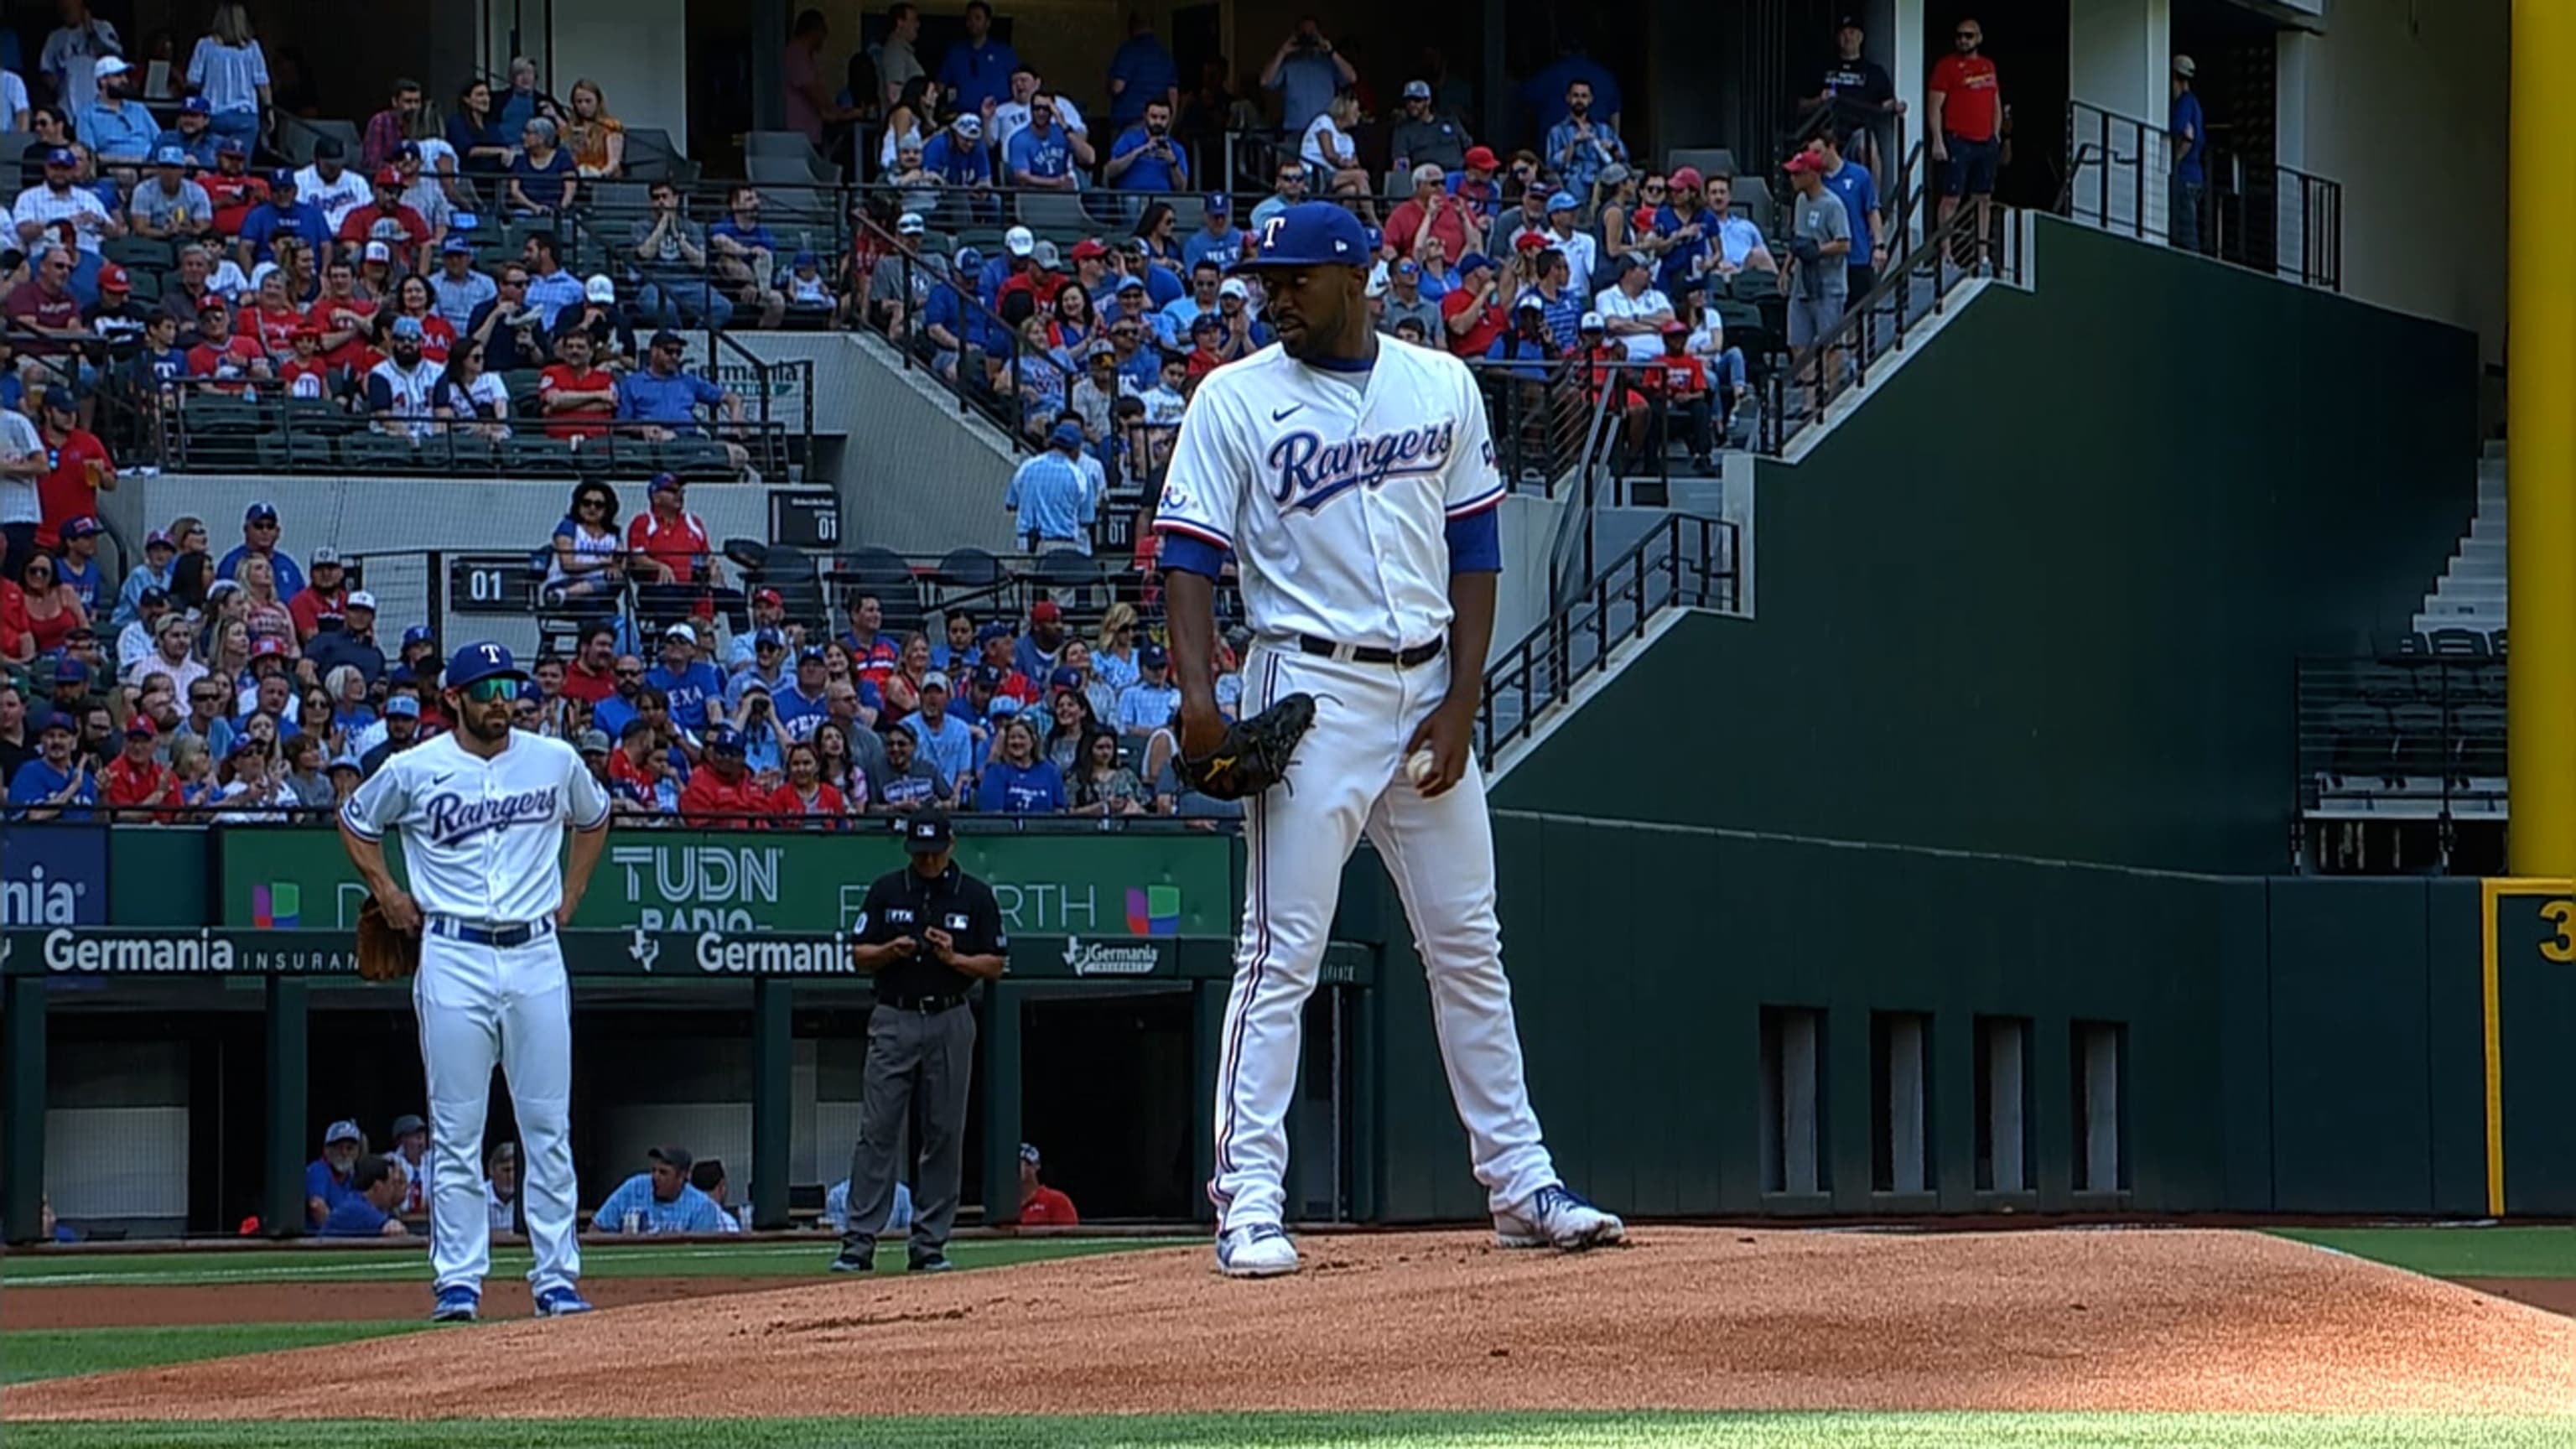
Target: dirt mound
[{"x": 1686, "y": 1318}]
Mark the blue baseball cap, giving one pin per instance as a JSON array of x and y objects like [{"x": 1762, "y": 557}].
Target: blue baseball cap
[
  {"x": 231, "y": 146},
  {"x": 1152, "y": 656},
  {"x": 992, "y": 631},
  {"x": 61, "y": 156},
  {"x": 1473, "y": 260},
  {"x": 1218, "y": 203},
  {"x": 456, "y": 246},
  {"x": 419, "y": 634},
  {"x": 408, "y": 327},
  {"x": 1311, "y": 234},
  {"x": 402, "y": 706},
  {"x": 1564, "y": 201},
  {"x": 197, "y": 106},
  {"x": 988, "y": 675},
  {"x": 768, "y": 639},
  {"x": 1066, "y": 434},
  {"x": 282, "y": 176},
  {"x": 475, "y": 663},
  {"x": 725, "y": 739},
  {"x": 1064, "y": 678},
  {"x": 170, "y": 156}
]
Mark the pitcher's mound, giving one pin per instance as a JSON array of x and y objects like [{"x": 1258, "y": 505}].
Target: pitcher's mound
[{"x": 1684, "y": 1318}]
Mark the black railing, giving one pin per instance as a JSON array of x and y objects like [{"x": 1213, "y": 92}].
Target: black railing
[
  {"x": 2400, "y": 761},
  {"x": 1684, "y": 562},
  {"x": 1537, "y": 411},
  {"x": 207, "y": 431},
  {"x": 1875, "y": 326},
  {"x": 2247, "y": 211}
]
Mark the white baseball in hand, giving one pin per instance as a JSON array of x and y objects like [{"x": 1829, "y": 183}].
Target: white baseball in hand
[{"x": 1421, "y": 766}]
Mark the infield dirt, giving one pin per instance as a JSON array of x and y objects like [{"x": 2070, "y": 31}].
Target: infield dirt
[{"x": 1685, "y": 1318}]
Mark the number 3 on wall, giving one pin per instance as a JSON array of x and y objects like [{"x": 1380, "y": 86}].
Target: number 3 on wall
[{"x": 2561, "y": 947}]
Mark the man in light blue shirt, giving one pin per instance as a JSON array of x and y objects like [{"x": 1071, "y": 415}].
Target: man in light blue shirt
[
  {"x": 1190, "y": 307},
  {"x": 1149, "y": 703},
  {"x": 836, "y": 1207},
  {"x": 660, "y": 1201},
  {"x": 115, "y": 126},
  {"x": 1581, "y": 144},
  {"x": 946, "y": 741},
  {"x": 1052, "y": 495},
  {"x": 551, "y": 287},
  {"x": 1145, "y": 158},
  {"x": 1218, "y": 240},
  {"x": 1042, "y": 154}
]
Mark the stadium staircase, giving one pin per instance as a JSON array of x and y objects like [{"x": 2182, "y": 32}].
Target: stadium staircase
[{"x": 2464, "y": 614}]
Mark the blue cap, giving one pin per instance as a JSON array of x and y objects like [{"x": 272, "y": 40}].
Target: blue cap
[
  {"x": 804, "y": 259},
  {"x": 768, "y": 639},
  {"x": 1218, "y": 203},
  {"x": 456, "y": 246},
  {"x": 1152, "y": 656},
  {"x": 60, "y": 400},
  {"x": 61, "y": 156},
  {"x": 477, "y": 662},
  {"x": 1472, "y": 260},
  {"x": 967, "y": 259},
  {"x": 1064, "y": 678},
  {"x": 231, "y": 146},
  {"x": 989, "y": 675},
  {"x": 724, "y": 738},
  {"x": 408, "y": 327},
  {"x": 170, "y": 156},
  {"x": 814, "y": 654},
  {"x": 282, "y": 176},
  {"x": 419, "y": 634},
  {"x": 1564, "y": 201},
  {"x": 1066, "y": 434},
  {"x": 402, "y": 706},
  {"x": 1311, "y": 234},
  {"x": 197, "y": 106},
  {"x": 992, "y": 631},
  {"x": 1131, "y": 283}
]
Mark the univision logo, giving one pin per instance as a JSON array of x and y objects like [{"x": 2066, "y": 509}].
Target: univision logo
[{"x": 39, "y": 900}]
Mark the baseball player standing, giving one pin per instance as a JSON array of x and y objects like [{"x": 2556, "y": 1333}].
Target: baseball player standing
[
  {"x": 1353, "y": 479},
  {"x": 481, "y": 811}
]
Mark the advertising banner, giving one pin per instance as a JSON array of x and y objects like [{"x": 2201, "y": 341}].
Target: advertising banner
[{"x": 52, "y": 875}]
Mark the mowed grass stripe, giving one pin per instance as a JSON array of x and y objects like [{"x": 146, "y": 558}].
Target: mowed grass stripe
[
  {"x": 53, "y": 1353},
  {"x": 597, "y": 1261},
  {"x": 1360, "y": 1431},
  {"x": 2466, "y": 1252}
]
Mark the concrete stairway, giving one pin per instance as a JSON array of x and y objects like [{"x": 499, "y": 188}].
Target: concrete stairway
[{"x": 2471, "y": 593}]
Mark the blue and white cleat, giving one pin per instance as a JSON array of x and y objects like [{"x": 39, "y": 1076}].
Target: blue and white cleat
[
  {"x": 457, "y": 1304},
  {"x": 1256, "y": 1250},
  {"x": 560, "y": 1300},
  {"x": 1557, "y": 1217}
]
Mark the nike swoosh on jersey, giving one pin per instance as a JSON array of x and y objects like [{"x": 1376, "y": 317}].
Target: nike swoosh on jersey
[{"x": 1282, "y": 414}]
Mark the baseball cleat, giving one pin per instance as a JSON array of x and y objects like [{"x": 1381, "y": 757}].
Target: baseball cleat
[
  {"x": 852, "y": 1260},
  {"x": 1557, "y": 1217},
  {"x": 560, "y": 1300},
  {"x": 1259, "y": 1250},
  {"x": 456, "y": 1305},
  {"x": 932, "y": 1263}
]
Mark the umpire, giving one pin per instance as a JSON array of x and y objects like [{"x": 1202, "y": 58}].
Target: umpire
[{"x": 927, "y": 933}]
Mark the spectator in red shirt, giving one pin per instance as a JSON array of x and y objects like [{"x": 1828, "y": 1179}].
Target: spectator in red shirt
[
  {"x": 1679, "y": 384},
  {"x": 389, "y": 128},
  {"x": 1478, "y": 309},
  {"x": 136, "y": 781},
  {"x": 272, "y": 318},
  {"x": 231, "y": 361},
  {"x": 578, "y": 399},
  {"x": 721, "y": 790},
  {"x": 325, "y": 592},
  {"x": 1965, "y": 107},
  {"x": 1605, "y": 361},
  {"x": 45, "y": 306},
  {"x": 670, "y": 535},
  {"x": 306, "y": 372},
  {"x": 345, "y": 319},
  {"x": 231, "y": 187},
  {"x": 1040, "y": 1205},
  {"x": 404, "y": 231},
  {"x": 81, "y": 469},
  {"x": 873, "y": 652},
  {"x": 1432, "y": 211},
  {"x": 805, "y": 792},
  {"x": 592, "y": 675}
]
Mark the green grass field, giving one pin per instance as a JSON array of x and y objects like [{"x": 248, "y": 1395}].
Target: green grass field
[
  {"x": 2455, "y": 1252},
  {"x": 1370, "y": 1431},
  {"x": 52, "y": 1353},
  {"x": 326, "y": 1265}
]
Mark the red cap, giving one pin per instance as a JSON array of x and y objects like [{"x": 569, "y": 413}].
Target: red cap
[
  {"x": 1044, "y": 611},
  {"x": 769, "y": 596},
  {"x": 1686, "y": 176},
  {"x": 268, "y": 646},
  {"x": 141, "y": 727},
  {"x": 1481, "y": 158},
  {"x": 389, "y": 177},
  {"x": 1087, "y": 248},
  {"x": 1804, "y": 161},
  {"x": 306, "y": 329},
  {"x": 114, "y": 276},
  {"x": 1530, "y": 241},
  {"x": 1676, "y": 328}
]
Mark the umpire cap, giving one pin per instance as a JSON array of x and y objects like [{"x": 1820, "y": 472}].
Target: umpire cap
[
  {"x": 928, "y": 832},
  {"x": 1310, "y": 234}
]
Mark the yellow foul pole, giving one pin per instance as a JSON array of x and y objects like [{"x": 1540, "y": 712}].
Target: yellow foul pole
[{"x": 2540, "y": 537}]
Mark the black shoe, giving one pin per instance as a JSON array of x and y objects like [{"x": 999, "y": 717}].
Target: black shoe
[
  {"x": 854, "y": 1260},
  {"x": 932, "y": 1263}
]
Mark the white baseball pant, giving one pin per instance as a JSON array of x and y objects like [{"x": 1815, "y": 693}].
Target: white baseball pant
[
  {"x": 479, "y": 1005},
  {"x": 1348, "y": 777}
]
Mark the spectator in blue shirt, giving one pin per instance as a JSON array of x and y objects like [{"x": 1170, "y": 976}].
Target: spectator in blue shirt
[
  {"x": 54, "y": 785},
  {"x": 977, "y": 72},
  {"x": 280, "y": 213},
  {"x": 327, "y": 1178},
  {"x": 1141, "y": 73},
  {"x": 551, "y": 286},
  {"x": 2190, "y": 141},
  {"x": 661, "y": 394},
  {"x": 194, "y": 133},
  {"x": 1043, "y": 153},
  {"x": 1578, "y": 146},
  {"x": 1218, "y": 239},
  {"x": 1307, "y": 73},
  {"x": 1135, "y": 257},
  {"x": 946, "y": 741},
  {"x": 1145, "y": 158},
  {"x": 956, "y": 323},
  {"x": 117, "y": 127},
  {"x": 1052, "y": 497},
  {"x": 1149, "y": 703},
  {"x": 695, "y": 690},
  {"x": 376, "y": 1189},
  {"x": 1019, "y": 780},
  {"x": 660, "y": 1200},
  {"x": 1543, "y": 96},
  {"x": 1199, "y": 301},
  {"x": 1858, "y": 190},
  {"x": 957, "y": 156}
]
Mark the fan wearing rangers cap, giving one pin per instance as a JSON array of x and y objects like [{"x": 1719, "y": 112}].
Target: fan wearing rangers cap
[
  {"x": 1351, "y": 477},
  {"x": 482, "y": 812}
]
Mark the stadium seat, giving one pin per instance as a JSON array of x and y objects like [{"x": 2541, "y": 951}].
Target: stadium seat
[
  {"x": 875, "y": 568},
  {"x": 2480, "y": 728},
  {"x": 2459, "y": 642},
  {"x": 525, "y": 455},
  {"x": 2422, "y": 746},
  {"x": 464, "y": 452},
  {"x": 1753, "y": 201},
  {"x": 1708, "y": 160},
  {"x": 1055, "y": 213},
  {"x": 970, "y": 568},
  {"x": 318, "y": 416},
  {"x": 625, "y": 455},
  {"x": 698, "y": 460},
  {"x": 140, "y": 253},
  {"x": 2361, "y": 739},
  {"x": 374, "y": 452},
  {"x": 799, "y": 582},
  {"x": 522, "y": 384},
  {"x": 1073, "y": 579}
]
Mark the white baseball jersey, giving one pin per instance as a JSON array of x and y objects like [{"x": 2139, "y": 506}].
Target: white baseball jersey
[
  {"x": 482, "y": 839},
  {"x": 1335, "y": 492}
]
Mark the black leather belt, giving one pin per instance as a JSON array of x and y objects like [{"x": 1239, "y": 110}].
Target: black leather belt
[
  {"x": 1370, "y": 653},
  {"x": 495, "y": 936},
  {"x": 926, "y": 1005}
]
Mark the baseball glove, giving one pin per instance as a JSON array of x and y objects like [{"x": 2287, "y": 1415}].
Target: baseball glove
[
  {"x": 386, "y": 952},
  {"x": 1254, "y": 754}
]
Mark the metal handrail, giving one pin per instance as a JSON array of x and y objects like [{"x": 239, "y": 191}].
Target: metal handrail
[
  {"x": 1685, "y": 561},
  {"x": 1863, "y": 322},
  {"x": 2106, "y": 139}
]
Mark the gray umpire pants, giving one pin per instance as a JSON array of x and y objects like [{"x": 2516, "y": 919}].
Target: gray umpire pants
[{"x": 911, "y": 1055}]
